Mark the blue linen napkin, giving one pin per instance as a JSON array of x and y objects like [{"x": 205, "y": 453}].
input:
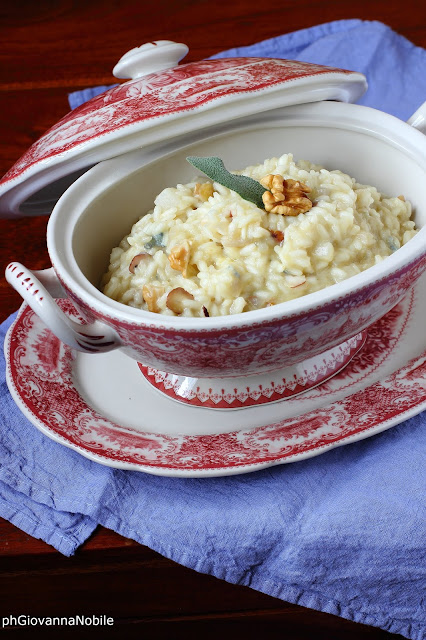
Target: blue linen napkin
[{"x": 342, "y": 533}]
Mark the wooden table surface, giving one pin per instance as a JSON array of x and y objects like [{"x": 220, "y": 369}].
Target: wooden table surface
[{"x": 49, "y": 49}]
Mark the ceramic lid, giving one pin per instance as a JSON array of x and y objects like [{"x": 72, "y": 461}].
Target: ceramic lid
[{"x": 162, "y": 100}]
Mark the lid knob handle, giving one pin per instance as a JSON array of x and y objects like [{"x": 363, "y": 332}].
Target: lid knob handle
[{"x": 150, "y": 57}]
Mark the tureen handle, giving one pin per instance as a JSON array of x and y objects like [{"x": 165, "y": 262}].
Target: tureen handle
[
  {"x": 150, "y": 57},
  {"x": 38, "y": 289},
  {"x": 418, "y": 119}
]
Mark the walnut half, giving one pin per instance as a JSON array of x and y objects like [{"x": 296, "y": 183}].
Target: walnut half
[
  {"x": 286, "y": 197},
  {"x": 203, "y": 190}
]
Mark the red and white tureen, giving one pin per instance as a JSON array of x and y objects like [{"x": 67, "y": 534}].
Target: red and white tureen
[{"x": 116, "y": 152}]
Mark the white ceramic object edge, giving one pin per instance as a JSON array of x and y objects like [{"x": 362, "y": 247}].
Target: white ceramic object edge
[{"x": 418, "y": 119}]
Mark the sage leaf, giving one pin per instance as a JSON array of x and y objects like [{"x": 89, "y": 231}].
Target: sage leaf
[{"x": 246, "y": 187}]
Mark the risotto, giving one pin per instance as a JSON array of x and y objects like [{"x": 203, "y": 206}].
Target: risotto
[{"x": 205, "y": 251}]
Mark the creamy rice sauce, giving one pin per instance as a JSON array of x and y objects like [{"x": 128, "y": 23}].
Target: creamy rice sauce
[{"x": 229, "y": 256}]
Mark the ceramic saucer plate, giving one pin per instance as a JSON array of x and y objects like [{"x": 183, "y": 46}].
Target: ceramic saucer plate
[{"x": 103, "y": 407}]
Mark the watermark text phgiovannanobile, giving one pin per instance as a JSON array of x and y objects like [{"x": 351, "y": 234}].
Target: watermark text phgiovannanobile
[{"x": 24, "y": 620}]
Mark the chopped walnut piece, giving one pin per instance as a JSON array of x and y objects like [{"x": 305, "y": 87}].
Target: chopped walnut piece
[
  {"x": 151, "y": 293},
  {"x": 278, "y": 235},
  {"x": 286, "y": 197},
  {"x": 179, "y": 258},
  {"x": 137, "y": 259},
  {"x": 401, "y": 198},
  {"x": 177, "y": 298},
  {"x": 204, "y": 190}
]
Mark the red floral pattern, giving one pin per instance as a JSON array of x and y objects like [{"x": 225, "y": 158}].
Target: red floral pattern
[
  {"x": 259, "y": 347},
  {"x": 47, "y": 351},
  {"x": 55, "y": 403},
  {"x": 163, "y": 94},
  {"x": 245, "y": 392},
  {"x": 382, "y": 338}
]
